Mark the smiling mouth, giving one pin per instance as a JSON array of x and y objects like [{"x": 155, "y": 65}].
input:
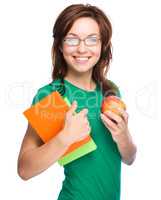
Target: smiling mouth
[{"x": 81, "y": 59}]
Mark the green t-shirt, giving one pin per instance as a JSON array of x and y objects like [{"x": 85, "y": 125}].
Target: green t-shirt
[{"x": 97, "y": 175}]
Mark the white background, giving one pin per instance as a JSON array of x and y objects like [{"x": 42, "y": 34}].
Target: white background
[{"x": 25, "y": 66}]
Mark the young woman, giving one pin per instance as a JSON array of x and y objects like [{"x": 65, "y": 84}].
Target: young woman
[{"x": 81, "y": 55}]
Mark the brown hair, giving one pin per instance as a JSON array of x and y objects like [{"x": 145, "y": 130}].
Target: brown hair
[{"x": 62, "y": 26}]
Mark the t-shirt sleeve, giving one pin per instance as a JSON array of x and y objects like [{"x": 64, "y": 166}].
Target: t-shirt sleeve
[
  {"x": 40, "y": 94},
  {"x": 35, "y": 98}
]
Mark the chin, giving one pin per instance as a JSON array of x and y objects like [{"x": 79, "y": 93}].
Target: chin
[{"x": 81, "y": 68}]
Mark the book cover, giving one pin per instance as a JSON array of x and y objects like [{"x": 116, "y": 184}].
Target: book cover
[{"x": 47, "y": 117}]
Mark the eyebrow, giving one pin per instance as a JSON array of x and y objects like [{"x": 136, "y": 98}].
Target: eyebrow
[{"x": 92, "y": 34}]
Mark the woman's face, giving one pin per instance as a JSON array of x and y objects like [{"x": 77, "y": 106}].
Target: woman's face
[{"x": 81, "y": 57}]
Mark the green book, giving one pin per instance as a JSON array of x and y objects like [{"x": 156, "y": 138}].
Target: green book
[
  {"x": 79, "y": 152},
  {"x": 47, "y": 116}
]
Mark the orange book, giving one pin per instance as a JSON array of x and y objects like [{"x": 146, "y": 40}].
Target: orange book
[{"x": 47, "y": 117}]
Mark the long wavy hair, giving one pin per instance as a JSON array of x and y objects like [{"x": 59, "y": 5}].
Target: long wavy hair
[{"x": 62, "y": 26}]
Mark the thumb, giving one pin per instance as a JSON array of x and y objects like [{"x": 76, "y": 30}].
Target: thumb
[{"x": 73, "y": 107}]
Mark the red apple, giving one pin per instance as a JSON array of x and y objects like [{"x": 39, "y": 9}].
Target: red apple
[{"x": 112, "y": 103}]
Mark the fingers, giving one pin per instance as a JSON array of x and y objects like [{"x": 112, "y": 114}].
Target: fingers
[
  {"x": 83, "y": 112},
  {"x": 89, "y": 130},
  {"x": 86, "y": 121},
  {"x": 118, "y": 118},
  {"x": 88, "y": 126},
  {"x": 124, "y": 115},
  {"x": 72, "y": 108},
  {"x": 113, "y": 116},
  {"x": 108, "y": 123}
]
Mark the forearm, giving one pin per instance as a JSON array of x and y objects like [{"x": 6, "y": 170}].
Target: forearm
[
  {"x": 37, "y": 160},
  {"x": 127, "y": 149}
]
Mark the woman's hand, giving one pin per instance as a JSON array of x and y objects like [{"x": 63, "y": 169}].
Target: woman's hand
[
  {"x": 76, "y": 126},
  {"x": 118, "y": 125}
]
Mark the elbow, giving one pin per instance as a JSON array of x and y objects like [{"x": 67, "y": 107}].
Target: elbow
[
  {"x": 22, "y": 173},
  {"x": 131, "y": 160},
  {"x": 128, "y": 162}
]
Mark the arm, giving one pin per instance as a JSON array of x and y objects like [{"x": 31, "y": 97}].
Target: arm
[
  {"x": 127, "y": 148},
  {"x": 119, "y": 131},
  {"x": 121, "y": 135},
  {"x": 35, "y": 156}
]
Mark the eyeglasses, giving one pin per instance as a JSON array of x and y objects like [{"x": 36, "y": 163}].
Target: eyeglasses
[{"x": 75, "y": 41}]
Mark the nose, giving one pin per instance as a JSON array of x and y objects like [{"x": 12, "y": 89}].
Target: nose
[{"x": 82, "y": 47}]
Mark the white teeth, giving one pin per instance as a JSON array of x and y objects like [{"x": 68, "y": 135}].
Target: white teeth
[{"x": 81, "y": 58}]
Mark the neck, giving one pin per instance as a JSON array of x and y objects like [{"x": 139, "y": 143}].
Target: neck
[{"x": 84, "y": 81}]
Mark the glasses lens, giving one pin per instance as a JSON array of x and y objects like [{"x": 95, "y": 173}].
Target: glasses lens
[
  {"x": 91, "y": 41},
  {"x": 72, "y": 41}
]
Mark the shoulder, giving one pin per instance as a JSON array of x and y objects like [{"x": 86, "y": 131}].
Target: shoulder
[
  {"x": 114, "y": 87},
  {"x": 44, "y": 91}
]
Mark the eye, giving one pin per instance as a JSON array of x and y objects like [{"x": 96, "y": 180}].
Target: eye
[
  {"x": 91, "y": 40},
  {"x": 71, "y": 41}
]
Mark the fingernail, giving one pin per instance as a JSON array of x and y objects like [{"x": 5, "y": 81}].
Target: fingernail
[
  {"x": 86, "y": 110},
  {"x": 74, "y": 102},
  {"x": 101, "y": 115}
]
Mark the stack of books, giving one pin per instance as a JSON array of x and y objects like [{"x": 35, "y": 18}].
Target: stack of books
[{"x": 47, "y": 117}]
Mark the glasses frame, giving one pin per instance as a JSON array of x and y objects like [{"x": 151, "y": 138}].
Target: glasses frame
[{"x": 79, "y": 41}]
